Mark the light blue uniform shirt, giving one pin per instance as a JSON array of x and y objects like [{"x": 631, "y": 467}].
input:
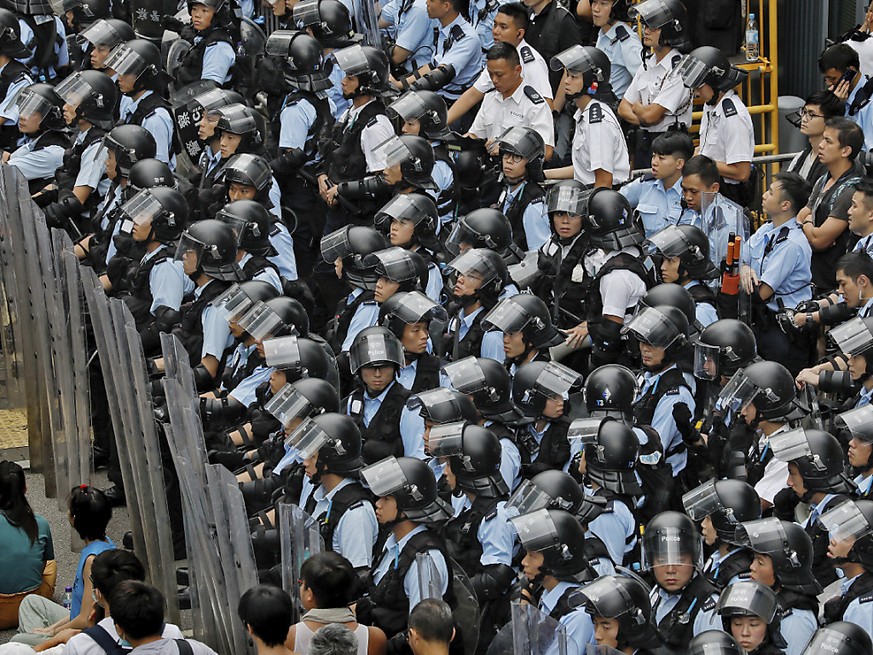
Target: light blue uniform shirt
[
  {"x": 864, "y": 117},
  {"x": 111, "y": 202},
  {"x": 160, "y": 124},
  {"x": 623, "y": 47},
  {"x": 414, "y": 32},
  {"x": 464, "y": 54},
  {"x": 535, "y": 220},
  {"x": 797, "y": 628},
  {"x": 61, "y": 49},
  {"x": 483, "y": 22},
  {"x": 510, "y": 462},
  {"x": 859, "y": 613},
  {"x": 406, "y": 375},
  {"x": 209, "y": 159},
  {"x": 617, "y": 530},
  {"x": 237, "y": 359},
  {"x": 296, "y": 118},
  {"x": 365, "y": 316},
  {"x": 703, "y": 311},
  {"x": 663, "y": 602},
  {"x": 217, "y": 60},
  {"x": 785, "y": 265},
  {"x": 443, "y": 176},
  {"x": 580, "y": 628},
  {"x": 658, "y": 206},
  {"x": 434, "y": 288},
  {"x": 357, "y": 530},
  {"x": 8, "y": 108},
  {"x": 339, "y": 104},
  {"x": 713, "y": 564},
  {"x": 92, "y": 166},
  {"x": 865, "y": 244},
  {"x": 285, "y": 260},
  {"x": 166, "y": 282},
  {"x": 663, "y": 422},
  {"x": 244, "y": 392},
  {"x": 391, "y": 556},
  {"x": 864, "y": 397},
  {"x": 267, "y": 275},
  {"x": 35, "y": 165},
  {"x": 496, "y": 534},
  {"x": 411, "y": 423},
  {"x": 492, "y": 341},
  {"x": 216, "y": 331}
]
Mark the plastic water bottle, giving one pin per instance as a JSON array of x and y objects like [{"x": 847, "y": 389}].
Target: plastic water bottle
[
  {"x": 67, "y": 600},
  {"x": 752, "y": 39}
]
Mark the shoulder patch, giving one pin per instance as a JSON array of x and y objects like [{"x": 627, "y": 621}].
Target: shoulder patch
[
  {"x": 595, "y": 114},
  {"x": 531, "y": 93},
  {"x": 526, "y": 54},
  {"x": 621, "y": 33},
  {"x": 729, "y": 108},
  {"x": 866, "y": 599},
  {"x": 709, "y": 605},
  {"x": 490, "y": 515},
  {"x": 675, "y": 61},
  {"x": 373, "y": 121},
  {"x": 785, "y": 612},
  {"x": 672, "y": 392},
  {"x": 457, "y": 33},
  {"x": 609, "y": 508},
  {"x": 355, "y": 505}
]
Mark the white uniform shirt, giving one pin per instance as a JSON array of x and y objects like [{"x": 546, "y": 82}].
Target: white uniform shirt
[
  {"x": 534, "y": 70},
  {"x": 655, "y": 83},
  {"x": 726, "y": 132},
  {"x": 525, "y": 107},
  {"x": 599, "y": 144}
]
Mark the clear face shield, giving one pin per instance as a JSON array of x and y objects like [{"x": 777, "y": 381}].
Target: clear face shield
[
  {"x": 507, "y": 316},
  {"x": 706, "y": 359},
  {"x": 29, "y": 104},
  {"x": 125, "y": 61},
  {"x": 652, "y": 327},
  {"x": 672, "y": 547},
  {"x": 846, "y": 522},
  {"x": 385, "y": 477},
  {"x": 748, "y": 597},
  {"x": 352, "y": 60},
  {"x": 261, "y": 321},
  {"x": 307, "y": 439},
  {"x": 472, "y": 265},
  {"x": 401, "y": 207},
  {"x": 433, "y": 402},
  {"x": 282, "y": 352},
  {"x": 765, "y": 536},
  {"x": 234, "y": 119},
  {"x": 556, "y": 380},
  {"x": 536, "y": 531},
  {"x": 73, "y": 90},
  {"x": 575, "y": 59},
  {"x": 141, "y": 209},
  {"x": 528, "y": 498},
  {"x": 190, "y": 252},
  {"x": 235, "y": 302},
  {"x": 604, "y": 597},
  {"x": 704, "y": 501},
  {"x": 394, "y": 152},
  {"x": 447, "y": 440},
  {"x": 287, "y": 405},
  {"x": 461, "y": 234},
  {"x": 738, "y": 393},
  {"x": 669, "y": 242},
  {"x": 336, "y": 245},
  {"x": 394, "y": 264},
  {"x": 305, "y": 14},
  {"x": 408, "y": 107},
  {"x": 98, "y": 33},
  {"x": 466, "y": 375},
  {"x": 852, "y": 336},
  {"x": 375, "y": 349},
  {"x": 415, "y": 307},
  {"x": 569, "y": 200},
  {"x": 237, "y": 224},
  {"x": 855, "y": 420},
  {"x": 209, "y": 100},
  {"x": 792, "y": 445},
  {"x": 654, "y": 14},
  {"x": 692, "y": 71},
  {"x": 518, "y": 141},
  {"x": 279, "y": 43},
  {"x": 248, "y": 169},
  {"x": 584, "y": 430},
  {"x": 828, "y": 640}
]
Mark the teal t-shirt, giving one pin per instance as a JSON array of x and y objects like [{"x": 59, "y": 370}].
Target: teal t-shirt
[{"x": 22, "y": 562}]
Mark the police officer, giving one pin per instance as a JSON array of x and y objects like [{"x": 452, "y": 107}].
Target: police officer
[
  {"x": 527, "y": 329},
  {"x": 205, "y": 105},
  {"x": 722, "y": 348},
  {"x": 618, "y": 41},
  {"x": 252, "y": 224},
  {"x": 412, "y": 45},
  {"x": 378, "y": 405},
  {"x": 14, "y": 76},
  {"x": 100, "y": 38},
  {"x": 842, "y": 638},
  {"x": 45, "y": 36},
  {"x": 743, "y": 606},
  {"x": 40, "y": 121},
  {"x": 714, "y": 641},
  {"x": 482, "y": 228},
  {"x": 409, "y": 316},
  {"x": 138, "y": 66},
  {"x": 856, "y": 422},
  {"x": 212, "y": 55},
  {"x": 397, "y": 270}
]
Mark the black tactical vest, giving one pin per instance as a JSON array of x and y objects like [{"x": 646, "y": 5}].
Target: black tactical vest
[
  {"x": 382, "y": 437},
  {"x": 191, "y": 69}
]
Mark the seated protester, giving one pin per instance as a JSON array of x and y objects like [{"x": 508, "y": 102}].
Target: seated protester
[
  {"x": 39, "y": 618},
  {"x": 655, "y": 100},
  {"x": 474, "y": 281},
  {"x": 618, "y": 41},
  {"x": 89, "y": 105},
  {"x": 479, "y": 536},
  {"x": 206, "y": 105},
  {"x": 750, "y": 613},
  {"x": 330, "y": 447},
  {"x": 776, "y": 271},
  {"x": 28, "y": 556},
  {"x": 410, "y": 221},
  {"x": 409, "y": 316},
  {"x": 407, "y": 505},
  {"x": 608, "y": 465},
  {"x": 720, "y": 505},
  {"x": 554, "y": 568},
  {"x": 840, "y": 637},
  {"x": 346, "y": 249},
  {"x": 840, "y": 66},
  {"x": 527, "y": 329},
  {"x": 621, "y": 612},
  {"x": 782, "y": 560},
  {"x": 513, "y": 102},
  {"x": 138, "y": 66},
  {"x": 15, "y": 75},
  {"x": 40, "y": 121},
  {"x": 212, "y": 55},
  {"x": 657, "y": 196},
  {"x": 683, "y": 599},
  {"x": 820, "y": 107},
  {"x": 685, "y": 261},
  {"x": 816, "y": 465},
  {"x": 726, "y": 133},
  {"x": 489, "y": 385},
  {"x": 251, "y": 224},
  {"x": 824, "y": 219},
  {"x": 857, "y": 422},
  {"x": 138, "y": 614},
  {"x": 541, "y": 390},
  {"x": 378, "y": 404},
  {"x": 850, "y": 525},
  {"x": 208, "y": 253},
  {"x": 521, "y": 199},
  {"x": 397, "y": 270},
  {"x": 599, "y": 151},
  {"x": 327, "y": 588},
  {"x": 100, "y": 38}
]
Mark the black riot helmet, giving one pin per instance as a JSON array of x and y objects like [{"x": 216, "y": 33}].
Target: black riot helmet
[
  {"x": 722, "y": 348},
  {"x": 481, "y": 228},
  {"x": 672, "y": 295},
  {"x": 215, "y": 98},
  {"x": 335, "y": 438},
  {"x": 411, "y": 483},
  {"x": 474, "y": 455},
  {"x": 242, "y": 296},
  {"x": 588, "y": 61},
  {"x": 672, "y": 538},
  {"x": 414, "y": 156},
  {"x": 426, "y": 107},
  {"x": 304, "y": 66},
  {"x": 441, "y": 405},
  {"x": 857, "y": 424},
  {"x": 727, "y": 503},
  {"x": 130, "y": 143},
  {"x": 408, "y": 308},
  {"x": 140, "y": 58},
  {"x": 488, "y": 383},
  {"x": 661, "y": 326},
  {"x": 528, "y": 144},
  {"x": 568, "y": 196},
  {"x": 42, "y": 99},
  {"x": 819, "y": 459},
  {"x": 243, "y": 121},
  {"x": 352, "y": 244},
  {"x": 84, "y": 12},
  {"x": 93, "y": 94},
  {"x": 10, "y": 37},
  {"x": 297, "y": 357},
  {"x": 611, "y": 459},
  {"x": 536, "y": 382},
  {"x": 855, "y": 337},
  {"x": 250, "y": 221},
  {"x": 610, "y": 222},
  {"x": 329, "y": 21},
  {"x": 368, "y": 64},
  {"x": 213, "y": 244},
  {"x": 714, "y": 642},
  {"x": 553, "y": 489},
  {"x": 769, "y": 386},
  {"x": 165, "y": 207},
  {"x": 107, "y": 32},
  {"x": 708, "y": 65},
  {"x": 625, "y": 599},
  {"x": 405, "y": 267},
  {"x": 840, "y": 638},
  {"x": 375, "y": 346},
  {"x": 527, "y": 314},
  {"x": 751, "y": 598},
  {"x": 303, "y": 399},
  {"x": 669, "y": 16},
  {"x": 560, "y": 538},
  {"x": 690, "y": 244},
  {"x": 148, "y": 174},
  {"x": 482, "y": 264},
  {"x": 852, "y": 521},
  {"x": 418, "y": 208},
  {"x": 290, "y": 317},
  {"x": 789, "y": 547},
  {"x": 251, "y": 170},
  {"x": 610, "y": 390}
]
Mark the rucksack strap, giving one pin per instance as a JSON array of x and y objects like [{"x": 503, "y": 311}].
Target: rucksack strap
[{"x": 109, "y": 646}]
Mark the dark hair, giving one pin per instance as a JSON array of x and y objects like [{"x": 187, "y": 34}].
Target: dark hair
[
  {"x": 91, "y": 512},
  {"x": 138, "y": 609},
  {"x": 795, "y": 189},
  {"x": 517, "y": 12},
  {"x": 505, "y": 51},
  {"x": 865, "y": 187},
  {"x": 831, "y": 106},
  {"x": 704, "y": 167},
  {"x": 268, "y": 612},
  {"x": 331, "y": 578},
  {"x": 461, "y": 6},
  {"x": 112, "y": 567},
  {"x": 13, "y": 502},
  {"x": 856, "y": 264},
  {"x": 673, "y": 142},
  {"x": 432, "y": 620},
  {"x": 841, "y": 57},
  {"x": 849, "y": 134}
]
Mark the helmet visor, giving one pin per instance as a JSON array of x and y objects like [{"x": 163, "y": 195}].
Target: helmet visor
[
  {"x": 408, "y": 107},
  {"x": 584, "y": 430},
  {"x": 434, "y": 402},
  {"x": 653, "y": 13},
  {"x": 288, "y": 404},
  {"x": 234, "y": 118},
  {"x": 375, "y": 349},
  {"x": 692, "y": 71},
  {"x": 143, "y": 207},
  {"x": 461, "y": 233},
  {"x": 766, "y": 536},
  {"x": 30, "y": 103},
  {"x": 852, "y": 337},
  {"x": 520, "y": 141},
  {"x": 100, "y": 32},
  {"x": 446, "y": 440},
  {"x": 261, "y": 321},
  {"x": 279, "y": 43},
  {"x": 652, "y": 327},
  {"x": 747, "y": 597},
  {"x": 384, "y": 477},
  {"x": 671, "y": 546},
  {"x": 336, "y": 245},
  {"x": 556, "y": 380},
  {"x": 235, "y": 302},
  {"x": 189, "y": 248},
  {"x": 474, "y": 266},
  {"x": 669, "y": 242},
  {"x": 605, "y": 597},
  {"x": 73, "y": 90},
  {"x": 828, "y": 640},
  {"x": 702, "y": 501},
  {"x": 394, "y": 264},
  {"x": 791, "y": 445},
  {"x": 568, "y": 199},
  {"x": 737, "y": 393},
  {"x": 352, "y": 60},
  {"x": 536, "y": 531},
  {"x": 306, "y": 13},
  {"x": 846, "y": 522},
  {"x": 211, "y": 99},
  {"x": 706, "y": 361},
  {"x": 466, "y": 375},
  {"x": 575, "y": 59},
  {"x": 282, "y": 352},
  {"x": 307, "y": 438},
  {"x": 528, "y": 498},
  {"x": 401, "y": 207},
  {"x": 248, "y": 169},
  {"x": 237, "y": 224},
  {"x": 856, "y": 420},
  {"x": 507, "y": 316},
  {"x": 415, "y": 307},
  {"x": 393, "y": 151},
  {"x": 125, "y": 61}
]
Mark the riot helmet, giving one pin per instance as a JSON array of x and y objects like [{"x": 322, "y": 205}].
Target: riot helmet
[
  {"x": 411, "y": 483},
  {"x": 243, "y": 121},
  {"x": 672, "y": 295},
  {"x": 857, "y": 424},
  {"x": 481, "y": 228},
  {"x": 41, "y": 99},
  {"x": 408, "y": 308},
  {"x": 481, "y": 266},
  {"x": 352, "y": 244},
  {"x": 474, "y": 455},
  {"x": 751, "y": 598},
  {"x": 722, "y": 348},
  {"x": 690, "y": 244},
  {"x": 329, "y": 21},
  {"x": 611, "y": 223},
  {"x": 852, "y": 521},
  {"x": 441, "y": 405},
  {"x": 417, "y": 208},
  {"x": 368, "y": 64},
  {"x": 789, "y": 548},
  {"x": 297, "y": 357},
  {"x": 251, "y": 222},
  {"x": 10, "y": 37},
  {"x": 714, "y": 642},
  {"x": 488, "y": 383},
  {"x": 93, "y": 94},
  {"x": 302, "y": 399},
  {"x": 553, "y": 489},
  {"x": 625, "y": 599},
  {"x": 528, "y": 144},
  {"x": 426, "y": 107},
  {"x": 84, "y": 12},
  {"x": 524, "y": 313},
  {"x": 335, "y": 438},
  {"x": 769, "y": 386},
  {"x": 560, "y": 538},
  {"x": 406, "y": 268},
  {"x": 727, "y": 503},
  {"x": 209, "y": 246},
  {"x": 164, "y": 207},
  {"x": 662, "y": 326},
  {"x": 840, "y": 638},
  {"x": 672, "y": 538},
  {"x": 414, "y": 156},
  {"x": 567, "y": 197},
  {"x": 374, "y": 347},
  {"x": 610, "y": 390},
  {"x": 214, "y": 99},
  {"x": 130, "y": 144},
  {"x": 855, "y": 338},
  {"x": 141, "y": 59},
  {"x": 242, "y": 296},
  {"x": 148, "y": 174},
  {"x": 819, "y": 459},
  {"x": 536, "y": 382},
  {"x": 588, "y": 61},
  {"x": 669, "y": 16},
  {"x": 709, "y": 65},
  {"x": 610, "y": 460},
  {"x": 106, "y": 32},
  {"x": 304, "y": 66},
  {"x": 250, "y": 170}
]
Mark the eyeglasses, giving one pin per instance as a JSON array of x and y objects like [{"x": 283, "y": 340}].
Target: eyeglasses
[
  {"x": 512, "y": 157},
  {"x": 805, "y": 113}
]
